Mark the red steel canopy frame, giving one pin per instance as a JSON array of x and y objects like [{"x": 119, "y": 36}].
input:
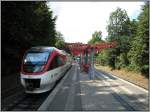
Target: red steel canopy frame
[{"x": 78, "y": 49}]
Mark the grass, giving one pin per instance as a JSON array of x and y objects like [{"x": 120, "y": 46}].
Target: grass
[{"x": 130, "y": 76}]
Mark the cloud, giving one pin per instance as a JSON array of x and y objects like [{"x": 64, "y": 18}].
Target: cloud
[{"x": 77, "y": 21}]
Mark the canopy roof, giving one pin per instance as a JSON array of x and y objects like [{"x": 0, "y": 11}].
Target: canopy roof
[{"x": 79, "y": 48}]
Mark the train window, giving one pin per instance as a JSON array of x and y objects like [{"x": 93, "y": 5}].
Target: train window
[
  {"x": 35, "y": 61},
  {"x": 60, "y": 61},
  {"x": 54, "y": 63}
]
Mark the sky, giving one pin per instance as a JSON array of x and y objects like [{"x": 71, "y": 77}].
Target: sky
[{"x": 77, "y": 21}]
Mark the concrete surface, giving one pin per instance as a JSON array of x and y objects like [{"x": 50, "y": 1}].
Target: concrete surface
[{"x": 105, "y": 93}]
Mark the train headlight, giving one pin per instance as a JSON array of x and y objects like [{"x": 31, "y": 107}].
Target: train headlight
[{"x": 25, "y": 60}]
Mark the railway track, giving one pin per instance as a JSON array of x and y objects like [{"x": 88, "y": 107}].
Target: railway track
[
  {"x": 23, "y": 101},
  {"x": 19, "y": 100}
]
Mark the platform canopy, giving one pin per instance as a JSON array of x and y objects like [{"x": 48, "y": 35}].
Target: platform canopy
[{"x": 80, "y": 48}]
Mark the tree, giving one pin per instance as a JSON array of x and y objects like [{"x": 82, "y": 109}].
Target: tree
[
  {"x": 118, "y": 30},
  {"x": 60, "y": 43},
  {"x": 133, "y": 28},
  {"x": 24, "y": 25},
  {"x": 102, "y": 57},
  {"x": 139, "y": 53},
  {"x": 96, "y": 37}
]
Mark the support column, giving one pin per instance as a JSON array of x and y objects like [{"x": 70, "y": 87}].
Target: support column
[
  {"x": 91, "y": 69},
  {"x": 81, "y": 59},
  {"x": 92, "y": 53},
  {"x": 86, "y": 56}
]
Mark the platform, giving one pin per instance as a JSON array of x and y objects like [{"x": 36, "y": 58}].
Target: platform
[{"x": 104, "y": 93}]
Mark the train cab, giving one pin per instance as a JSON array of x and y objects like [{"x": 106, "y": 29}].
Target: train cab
[{"x": 42, "y": 67}]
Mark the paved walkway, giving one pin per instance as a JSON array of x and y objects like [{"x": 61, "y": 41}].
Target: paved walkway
[
  {"x": 96, "y": 96},
  {"x": 104, "y": 93},
  {"x": 68, "y": 96}
]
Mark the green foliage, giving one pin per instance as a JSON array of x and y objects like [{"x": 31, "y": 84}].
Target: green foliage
[
  {"x": 132, "y": 50},
  {"x": 118, "y": 30},
  {"x": 102, "y": 57},
  {"x": 139, "y": 52},
  {"x": 24, "y": 25},
  {"x": 96, "y": 37},
  {"x": 122, "y": 61},
  {"x": 133, "y": 28},
  {"x": 60, "y": 43},
  {"x": 118, "y": 24}
]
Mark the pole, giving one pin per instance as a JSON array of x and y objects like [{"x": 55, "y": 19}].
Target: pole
[
  {"x": 86, "y": 56},
  {"x": 91, "y": 68},
  {"x": 81, "y": 55},
  {"x": 93, "y": 75}
]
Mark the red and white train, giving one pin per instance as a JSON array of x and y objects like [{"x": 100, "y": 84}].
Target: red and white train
[{"x": 42, "y": 67}]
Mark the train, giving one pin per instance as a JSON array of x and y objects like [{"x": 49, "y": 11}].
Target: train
[{"x": 41, "y": 67}]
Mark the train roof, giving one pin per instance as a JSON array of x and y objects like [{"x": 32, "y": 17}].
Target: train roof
[{"x": 49, "y": 49}]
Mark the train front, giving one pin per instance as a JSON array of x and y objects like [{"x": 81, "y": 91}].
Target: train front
[{"x": 34, "y": 77}]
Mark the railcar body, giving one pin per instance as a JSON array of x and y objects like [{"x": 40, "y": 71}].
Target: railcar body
[{"x": 42, "y": 67}]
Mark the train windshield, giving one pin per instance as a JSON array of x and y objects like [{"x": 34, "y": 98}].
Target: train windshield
[{"x": 35, "y": 61}]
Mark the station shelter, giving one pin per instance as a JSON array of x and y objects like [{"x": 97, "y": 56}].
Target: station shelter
[{"x": 84, "y": 53}]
